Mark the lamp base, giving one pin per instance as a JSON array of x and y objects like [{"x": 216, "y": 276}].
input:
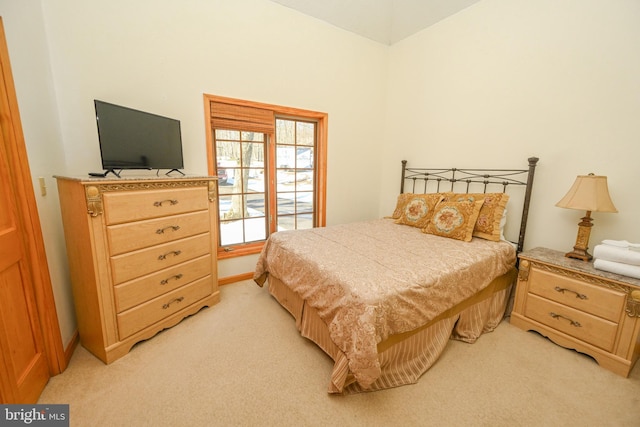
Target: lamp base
[
  {"x": 582, "y": 241},
  {"x": 579, "y": 254}
]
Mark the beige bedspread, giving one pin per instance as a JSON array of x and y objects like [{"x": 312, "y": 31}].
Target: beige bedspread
[{"x": 372, "y": 279}]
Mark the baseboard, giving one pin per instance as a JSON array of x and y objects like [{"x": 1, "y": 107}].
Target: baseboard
[
  {"x": 233, "y": 279},
  {"x": 68, "y": 352}
]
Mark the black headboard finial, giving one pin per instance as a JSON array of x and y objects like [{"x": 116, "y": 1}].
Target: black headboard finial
[{"x": 404, "y": 167}]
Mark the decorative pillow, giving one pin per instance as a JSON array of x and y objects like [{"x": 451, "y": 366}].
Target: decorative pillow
[
  {"x": 488, "y": 223},
  {"x": 418, "y": 209},
  {"x": 454, "y": 219},
  {"x": 400, "y": 204}
]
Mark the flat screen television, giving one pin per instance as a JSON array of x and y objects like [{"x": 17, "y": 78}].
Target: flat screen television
[{"x": 132, "y": 139}]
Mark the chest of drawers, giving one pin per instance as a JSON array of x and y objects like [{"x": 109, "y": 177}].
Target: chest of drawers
[
  {"x": 142, "y": 256},
  {"x": 579, "y": 307}
]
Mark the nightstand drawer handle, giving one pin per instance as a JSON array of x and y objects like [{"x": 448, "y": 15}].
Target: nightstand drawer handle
[
  {"x": 562, "y": 290},
  {"x": 572, "y": 322}
]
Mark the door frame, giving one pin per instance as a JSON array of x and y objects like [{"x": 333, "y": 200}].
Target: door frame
[{"x": 28, "y": 215}]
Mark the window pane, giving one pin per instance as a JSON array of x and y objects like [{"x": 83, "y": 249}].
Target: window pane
[
  {"x": 252, "y": 154},
  {"x": 285, "y": 180},
  {"x": 285, "y": 203},
  {"x": 304, "y": 222},
  {"x": 304, "y": 202},
  {"x": 227, "y": 134},
  {"x": 255, "y": 229},
  {"x": 232, "y": 180},
  {"x": 255, "y": 181},
  {"x": 285, "y": 131},
  {"x": 255, "y": 205},
  {"x": 230, "y": 207},
  {"x": 285, "y": 157},
  {"x": 253, "y": 136},
  {"x": 227, "y": 150},
  {"x": 231, "y": 233},
  {"x": 304, "y": 181},
  {"x": 305, "y": 133},
  {"x": 304, "y": 158},
  {"x": 286, "y": 223}
]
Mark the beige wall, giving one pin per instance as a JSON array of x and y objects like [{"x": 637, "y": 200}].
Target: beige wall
[
  {"x": 504, "y": 80},
  {"x": 26, "y": 40},
  {"x": 161, "y": 56},
  {"x": 492, "y": 85}
]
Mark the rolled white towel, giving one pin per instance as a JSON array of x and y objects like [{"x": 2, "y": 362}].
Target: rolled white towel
[
  {"x": 618, "y": 268},
  {"x": 616, "y": 254},
  {"x": 622, "y": 244}
]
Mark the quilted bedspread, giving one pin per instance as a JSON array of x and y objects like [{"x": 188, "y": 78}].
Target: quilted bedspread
[{"x": 371, "y": 279}]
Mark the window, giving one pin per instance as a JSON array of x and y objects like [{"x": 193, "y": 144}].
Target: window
[
  {"x": 271, "y": 168},
  {"x": 295, "y": 159},
  {"x": 241, "y": 186}
]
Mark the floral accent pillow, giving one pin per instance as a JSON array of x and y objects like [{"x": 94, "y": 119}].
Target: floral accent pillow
[
  {"x": 403, "y": 198},
  {"x": 454, "y": 220},
  {"x": 418, "y": 209},
  {"x": 488, "y": 224}
]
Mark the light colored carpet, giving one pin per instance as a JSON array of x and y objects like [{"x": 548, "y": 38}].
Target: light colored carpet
[{"x": 243, "y": 363}]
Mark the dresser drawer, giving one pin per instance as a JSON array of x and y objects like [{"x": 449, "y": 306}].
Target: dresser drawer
[
  {"x": 144, "y": 261},
  {"x": 141, "y": 316},
  {"x": 137, "y": 291},
  {"x": 141, "y": 234},
  {"x": 127, "y": 206},
  {"x": 586, "y": 327},
  {"x": 602, "y": 302}
]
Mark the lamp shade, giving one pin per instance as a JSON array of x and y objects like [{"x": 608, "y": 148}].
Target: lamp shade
[{"x": 588, "y": 193}]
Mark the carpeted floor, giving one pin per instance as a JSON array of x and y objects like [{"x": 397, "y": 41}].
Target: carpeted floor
[{"x": 243, "y": 363}]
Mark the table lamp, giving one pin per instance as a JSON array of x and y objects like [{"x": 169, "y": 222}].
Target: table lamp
[{"x": 588, "y": 193}]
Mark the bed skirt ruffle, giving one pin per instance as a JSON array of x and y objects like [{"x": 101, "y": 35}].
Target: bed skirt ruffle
[{"x": 403, "y": 357}]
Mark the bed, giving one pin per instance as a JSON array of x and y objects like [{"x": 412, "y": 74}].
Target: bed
[{"x": 383, "y": 297}]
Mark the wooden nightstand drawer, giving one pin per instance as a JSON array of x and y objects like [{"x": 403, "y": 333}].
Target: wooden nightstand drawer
[
  {"x": 586, "y": 327},
  {"x": 130, "y": 206},
  {"x": 141, "y": 234},
  {"x": 602, "y": 302},
  {"x": 141, "y": 316}
]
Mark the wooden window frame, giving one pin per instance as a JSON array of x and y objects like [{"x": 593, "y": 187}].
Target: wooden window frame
[{"x": 321, "y": 158}]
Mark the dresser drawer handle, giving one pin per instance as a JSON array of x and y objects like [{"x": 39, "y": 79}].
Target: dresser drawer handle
[
  {"x": 164, "y": 307},
  {"x": 560, "y": 316},
  {"x": 164, "y": 256},
  {"x": 172, "y": 227},
  {"x": 562, "y": 290},
  {"x": 176, "y": 277},
  {"x": 170, "y": 201}
]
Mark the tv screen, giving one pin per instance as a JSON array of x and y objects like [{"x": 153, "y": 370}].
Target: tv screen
[{"x": 132, "y": 139}]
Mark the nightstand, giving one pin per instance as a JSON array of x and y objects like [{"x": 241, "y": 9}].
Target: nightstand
[{"x": 576, "y": 306}]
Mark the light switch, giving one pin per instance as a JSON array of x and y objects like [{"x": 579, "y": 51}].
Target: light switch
[{"x": 43, "y": 186}]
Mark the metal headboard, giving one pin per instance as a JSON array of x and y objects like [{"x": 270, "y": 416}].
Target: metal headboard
[{"x": 433, "y": 180}]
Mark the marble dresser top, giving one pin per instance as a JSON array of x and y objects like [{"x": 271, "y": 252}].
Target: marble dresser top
[{"x": 557, "y": 258}]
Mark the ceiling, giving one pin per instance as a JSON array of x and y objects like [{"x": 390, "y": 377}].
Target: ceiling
[{"x": 385, "y": 21}]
